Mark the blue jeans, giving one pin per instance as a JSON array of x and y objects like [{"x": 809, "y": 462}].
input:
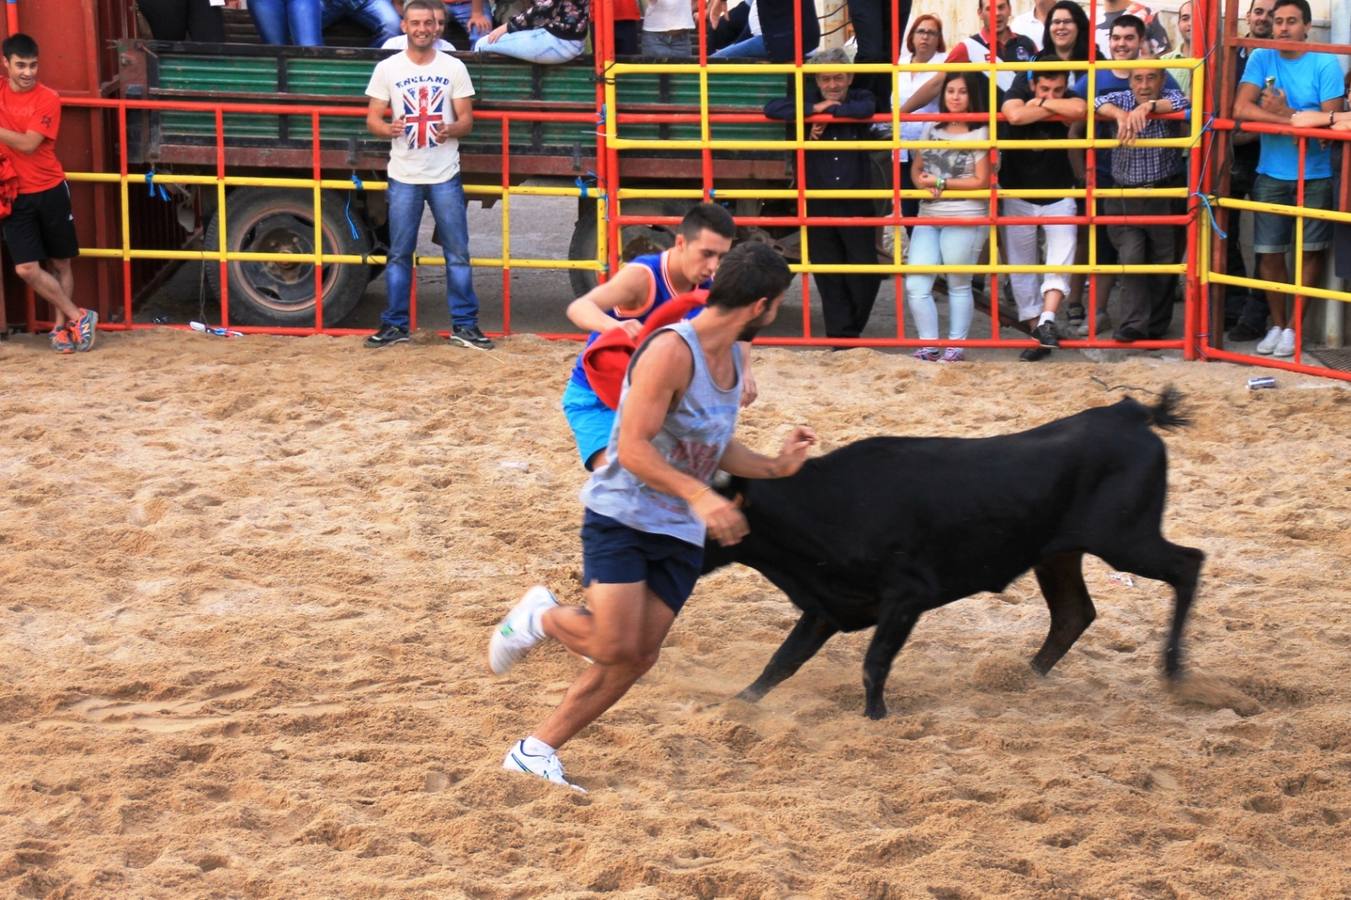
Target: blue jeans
[
  {"x": 296, "y": 22},
  {"x": 667, "y": 44},
  {"x": 532, "y": 45},
  {"x": 461, "y": 12},
  {"x": 750, "y": 48},
  {"x": 377, "y": 16},
  {"x": 405, "y": 215},
  {"x": 951, "y": 245}
]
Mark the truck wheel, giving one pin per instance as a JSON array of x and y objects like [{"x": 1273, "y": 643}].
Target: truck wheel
[
  {"x": 282, "y": 293},
  {"x": 636, "y": 239}
]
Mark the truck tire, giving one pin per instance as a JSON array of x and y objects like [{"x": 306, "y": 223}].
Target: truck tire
[
  {"x": 636, "y": 239},
  {"x": 282, "y": 221}
]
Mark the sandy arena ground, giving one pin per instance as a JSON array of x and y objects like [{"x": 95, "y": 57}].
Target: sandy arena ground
[{"x": 246, "y": 588}]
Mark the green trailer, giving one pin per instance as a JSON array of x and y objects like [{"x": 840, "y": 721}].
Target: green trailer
[{"x": 280, "y": 220}]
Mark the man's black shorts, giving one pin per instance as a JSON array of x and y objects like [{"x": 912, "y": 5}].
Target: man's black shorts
[{"x": 42, "y": 226}]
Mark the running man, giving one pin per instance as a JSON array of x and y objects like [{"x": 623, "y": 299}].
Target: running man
[
  {"x": 41, "y": 227},
  {"x": 627, "y": 300},
  {"x": 647, "y": 510}
]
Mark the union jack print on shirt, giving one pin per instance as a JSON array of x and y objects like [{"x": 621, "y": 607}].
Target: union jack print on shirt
[{"x": 424, "y": 107}]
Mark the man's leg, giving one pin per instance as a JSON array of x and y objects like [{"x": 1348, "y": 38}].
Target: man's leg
[
  {"x": 1020, "y": 249},
  {"x": 860, "y": 248},
  {"x": 405, "y": 214},
  {"x": 825, "y": 247},
  {"x": 48, "y": 287},
  {"x": 447, "y": 202},
  {"x": 621, "y": 630}
]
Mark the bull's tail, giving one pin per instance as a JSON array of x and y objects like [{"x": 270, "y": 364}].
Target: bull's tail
[{"x": 1165, "y": 414}]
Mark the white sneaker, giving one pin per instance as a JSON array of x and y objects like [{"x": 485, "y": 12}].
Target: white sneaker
[
  {"x": 516, "y": 634},
  {"x": 1286, "y": 345},
  {"x": 547, "y": 767},
  {"x": 1267, "y": 345}
]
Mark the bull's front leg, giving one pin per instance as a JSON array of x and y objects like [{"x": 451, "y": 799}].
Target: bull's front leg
[
  {"x": 808, "y": 636},
  {"x": 895, "y": 620}
]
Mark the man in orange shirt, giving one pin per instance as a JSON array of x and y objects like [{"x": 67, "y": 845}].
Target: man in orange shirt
[{"x": 41, "y": 227}]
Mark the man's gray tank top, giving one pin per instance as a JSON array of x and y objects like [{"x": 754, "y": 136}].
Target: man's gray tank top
[{"x": 693, "y": 438}]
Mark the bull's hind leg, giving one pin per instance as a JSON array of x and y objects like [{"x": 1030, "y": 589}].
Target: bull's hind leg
[
  {"x": 895, "y": 620},
  {"x": 1177, "y": 565},
  {"x": 808, "y": 636},
  {"x": 1062, "y": 584}
]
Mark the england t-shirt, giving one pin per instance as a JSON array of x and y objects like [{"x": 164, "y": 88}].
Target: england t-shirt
[{"x": 423, "y": 96}]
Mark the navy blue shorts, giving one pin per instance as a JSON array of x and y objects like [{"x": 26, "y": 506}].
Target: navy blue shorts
[{"x": 614, "y": 553}]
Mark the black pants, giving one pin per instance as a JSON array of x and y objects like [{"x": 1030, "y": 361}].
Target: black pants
[
  {"x": 846, "y": 300},
  {"x": 175, "y": 20},
  {"x": 872, "y": 30},
  {"x": 1147, "y": 305}
]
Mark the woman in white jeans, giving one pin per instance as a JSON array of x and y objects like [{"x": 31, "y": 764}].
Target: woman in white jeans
[
  {"x": 549, "y": 31},
  {"x": 937, "y": 171}
]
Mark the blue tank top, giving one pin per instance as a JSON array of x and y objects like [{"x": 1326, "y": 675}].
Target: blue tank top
[
  {"x": 663, "y": 290},
  {"x": 693, "y": 438}
]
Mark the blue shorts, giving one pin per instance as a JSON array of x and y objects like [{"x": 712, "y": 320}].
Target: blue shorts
[
  {"x": 1275, "y": 232},
  {"x": 614, "y": 553},
  {"x": 589, "y": 418}
]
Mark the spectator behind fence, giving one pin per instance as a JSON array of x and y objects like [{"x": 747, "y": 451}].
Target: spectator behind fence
[
  {"x": 846, "y": 300},
  {"x": 872, "y": 36},
  {"x": 1277, "y": 84},
  {"x": 1155, "y": 42},
  {"x": 432, "y": 104},
  {"x": 302, "y": 22},
  {"x": 1128, "y": 35},
  {"x": 768, "y": 33},
  {"x": 668, "y": 29},
  {"x": 924, "y": 44},
  {"x": 1147, "y": 304},
  {"x": 937, "y": 171},
  {"x": 1011, "y": 48},
  {"x": 1033, "y": 23},
  {"x": 400, "y": 42},
  {"x": 182, "y": 20},
  {"x": 1245, "y": 311},
  {"x": 40, "y": 228},
  {"x": 548, "y": 31},
  {"x": 1182, "y": 74},
  {"x": 628, "y": 19},
  {"x": 1038, "y": 111}
]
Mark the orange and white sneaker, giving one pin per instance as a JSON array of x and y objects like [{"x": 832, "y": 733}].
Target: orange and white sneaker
[
  {"x": 62, "y": 341},
  {"x": 86, "y": 327}
]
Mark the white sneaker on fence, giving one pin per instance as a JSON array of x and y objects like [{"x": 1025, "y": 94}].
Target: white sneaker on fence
[{"x": 1267, "y": 345}]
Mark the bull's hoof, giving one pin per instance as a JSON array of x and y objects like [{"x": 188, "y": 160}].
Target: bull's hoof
[
  {"x": 750, "y": 696},
  {"x": 876, "y": 712},
  {"x": 1040, "y": 668}
]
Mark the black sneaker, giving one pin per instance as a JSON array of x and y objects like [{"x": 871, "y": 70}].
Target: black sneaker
[
  {"x": 1076, "y": 314},
  {"x": 470, "y": 336},
  {"x": 387, "y": 336},
  {"x": 1032, "y": 354},
  {"x": 1244, "y": 331},
  {"x": 1046, "y": 336}
]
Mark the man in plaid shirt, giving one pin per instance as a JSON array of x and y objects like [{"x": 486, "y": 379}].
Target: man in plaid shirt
[{"x": 1147, "y": 304}]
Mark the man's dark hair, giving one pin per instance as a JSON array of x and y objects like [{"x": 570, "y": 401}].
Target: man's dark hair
[
  {"x": 1303, "y": 5},
  {"x": 1126, "y": 20},
  {"x": 19, "y": 44},
  {"x": 1050, "y": 74},
  {"x": 430, "y": 6},
  {"x": 748, "y": 272},
  {"x": 710, "y": 217}
]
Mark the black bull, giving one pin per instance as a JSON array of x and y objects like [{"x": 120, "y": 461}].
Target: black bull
[{"x": 884, "y": 529}]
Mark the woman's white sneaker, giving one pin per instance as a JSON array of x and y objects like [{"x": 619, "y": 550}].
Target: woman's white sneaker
[
  {"x": 520, "y": 630},
  {"x": 1267, "y": 345},
  {"x": 550, "y": 768},
  {"x": 1286, "y": 345}
]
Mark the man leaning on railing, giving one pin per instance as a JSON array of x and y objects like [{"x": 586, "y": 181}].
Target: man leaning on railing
[{"x": 1147, "y": 305}]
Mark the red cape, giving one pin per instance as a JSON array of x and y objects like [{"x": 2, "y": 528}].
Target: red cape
[{"x": 607, "y": 359}]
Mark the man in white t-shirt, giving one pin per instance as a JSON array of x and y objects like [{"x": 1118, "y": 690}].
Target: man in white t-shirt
[
  {"x": 1032, "y": 24},
  {"x": 429, "y": 98}
]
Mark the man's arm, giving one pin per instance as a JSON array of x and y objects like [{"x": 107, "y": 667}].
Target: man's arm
[
  {"x": 739, "y": 459},
  {"x": 628, "y": 290},
  {"x": 858, "y": 104},
  {"x": 926, "y": 93},
  {"x": 25, "y": 142},
  {"x": 478, "y": 18},
  {"x": 1252, "y": 104},
  {"x": 376, "y": 123},
  {"x": 464, "y": 119}
]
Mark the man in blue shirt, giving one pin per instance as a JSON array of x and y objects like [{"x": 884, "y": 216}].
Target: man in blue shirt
[{"x": 1277, "y": 84}]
